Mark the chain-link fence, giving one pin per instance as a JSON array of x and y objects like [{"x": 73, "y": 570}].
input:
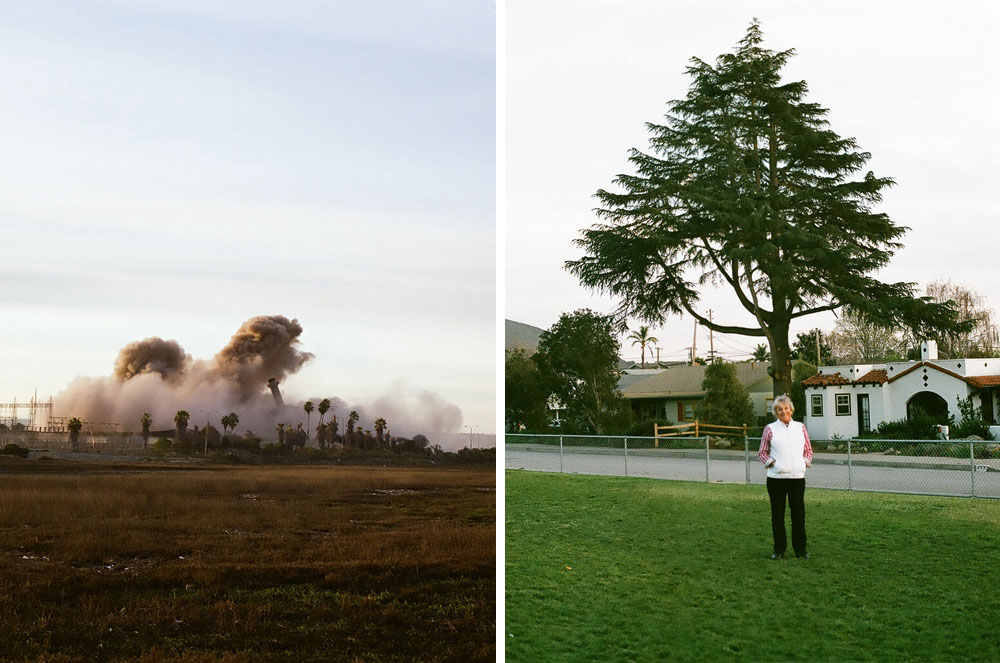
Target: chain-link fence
[{"x": 967, "y": 468}]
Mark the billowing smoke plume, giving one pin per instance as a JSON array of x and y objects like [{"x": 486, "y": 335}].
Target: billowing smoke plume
[
  {"x": 263, "y": 348},
  {"x": 157, "y": 376},
  {"x": 151, "y": 355},
  {"x": 416, "y": 412}
]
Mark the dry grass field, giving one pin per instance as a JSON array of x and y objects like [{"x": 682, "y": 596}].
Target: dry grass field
[{"x": 236, "y": 564}]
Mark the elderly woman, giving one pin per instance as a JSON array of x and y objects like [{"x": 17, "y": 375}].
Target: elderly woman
[{"x": 786, "y": 453}]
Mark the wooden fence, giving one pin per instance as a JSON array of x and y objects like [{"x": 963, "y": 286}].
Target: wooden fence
[{"x": 697, "y": 429}]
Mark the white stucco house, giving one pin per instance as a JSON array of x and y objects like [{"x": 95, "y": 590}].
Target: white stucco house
[{"x": 845, "y": 401}]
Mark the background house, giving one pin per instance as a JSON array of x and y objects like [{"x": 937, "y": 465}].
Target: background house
[
  {"x": 672, "y": 393},
  {"x": 848, "y": 400}
]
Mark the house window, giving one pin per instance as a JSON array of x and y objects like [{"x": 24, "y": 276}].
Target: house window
[
  {"x": 817, "y": 405},
  {"x": 843, "y": 405},
  {"x": 650, "y": 409},
  {"x": 685, "y": 411}
]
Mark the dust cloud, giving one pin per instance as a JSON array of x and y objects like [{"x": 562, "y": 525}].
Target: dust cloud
[{"x": 157, "y": 376}]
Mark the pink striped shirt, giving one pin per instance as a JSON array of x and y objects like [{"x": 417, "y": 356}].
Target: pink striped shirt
[{"x": 765, "y": 446}]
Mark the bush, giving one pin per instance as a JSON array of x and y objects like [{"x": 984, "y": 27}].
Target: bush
[
  {"x": 14, "y": 450},
  {"x": 164, "y": 445},
  {"x": 920, "y": 426},
  {"x": 726, "y": 401},
  {"x": 644, "y": 427},
  {"x": 250, "y": 441},
  {"x": 972, "y": 422}
]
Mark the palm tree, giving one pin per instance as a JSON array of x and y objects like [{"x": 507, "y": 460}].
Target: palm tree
[
  {"x": 280, "y": 428},
  {"x": 333, "y": 426},
  {"x": 147, "y": 421},
  {"x": 181, "y": 423},
  {"x": 308, "y": 407},
  {"x": 380, "y": 425},
  {"x": 229, "y": 422},
  {"x": 642, "y": 338},
  {"x": 74, "y": 426},
  {"x": 349, "y": 428},
  {"x": 761, "y": 353},
  {"x": 324, "y": 407}
]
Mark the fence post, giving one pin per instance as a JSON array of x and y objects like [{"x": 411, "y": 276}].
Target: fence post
[
  {"x": 972, "y": 465},
  {"x": 849, "y": 487},
  {"x": 560, "y": 455},
  {"x": 626, "y": 456},
  {"x": 706, "y": 456},
  {"x": 746, "y": 453}
]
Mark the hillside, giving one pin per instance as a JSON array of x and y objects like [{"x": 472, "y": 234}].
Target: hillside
[{"x": 520, "y": 335}]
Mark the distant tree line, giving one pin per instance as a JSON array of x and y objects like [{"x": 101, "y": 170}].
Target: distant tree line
[
  {"x": 289, "y": 437},
  {"x": 570, "y": 384}
]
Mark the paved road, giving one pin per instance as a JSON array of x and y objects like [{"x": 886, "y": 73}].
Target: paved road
[{"x": 898, "y": 474}]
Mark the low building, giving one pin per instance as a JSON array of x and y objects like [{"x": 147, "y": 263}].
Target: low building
[
  {"x": 671, "y": 394},
  {"x": 845, "y": 401}
]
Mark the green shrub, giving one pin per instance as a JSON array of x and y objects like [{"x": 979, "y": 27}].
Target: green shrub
[
  {"x": 972, "y": 422},
  {"x": 14, "y": 450},
  {"x": 162, "y": 446},
  {"x": 920, "y": 426},
  {"x": 644, "y": 427}
]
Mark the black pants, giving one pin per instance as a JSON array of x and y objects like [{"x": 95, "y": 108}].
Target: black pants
[{"x": 794, "y": 491}]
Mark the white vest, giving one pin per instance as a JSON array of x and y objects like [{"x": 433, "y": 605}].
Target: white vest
[{"x": 788, "y": 443}]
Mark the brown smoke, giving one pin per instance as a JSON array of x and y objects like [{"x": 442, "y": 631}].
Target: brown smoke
[
  {"x": 151, "y": 355},
  {"x": 264, "y": 347},
  {"x": 159, "y": 377}
]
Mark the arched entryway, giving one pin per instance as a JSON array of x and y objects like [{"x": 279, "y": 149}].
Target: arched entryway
[{"x": 930, "y": 403}]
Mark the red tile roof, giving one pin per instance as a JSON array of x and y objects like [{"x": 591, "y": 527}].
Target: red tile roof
[
  {"x": 984, "y": 380},
  {"x": 881, "y": 376},
  {"x": 876, "y": 376},
  {"x": 825, "y": 379}
]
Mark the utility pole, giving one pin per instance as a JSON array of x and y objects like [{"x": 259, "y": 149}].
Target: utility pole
[
  {"x": 819, "y": 358},
  {"x": 207, "y": 415},
  {"x": 711, "y": 341},
  {"x": 694, "y": 342}
]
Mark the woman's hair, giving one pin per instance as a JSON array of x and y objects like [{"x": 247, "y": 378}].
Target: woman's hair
[{"x": 782, "y": 399}]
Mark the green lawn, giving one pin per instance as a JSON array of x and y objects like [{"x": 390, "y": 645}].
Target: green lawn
[{"x": 622, "y": 569}]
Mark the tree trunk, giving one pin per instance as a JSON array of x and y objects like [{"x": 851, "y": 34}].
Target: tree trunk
[{"x": 781, "y": 360}]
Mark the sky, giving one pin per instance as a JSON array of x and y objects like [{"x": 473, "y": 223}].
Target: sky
[
  {"x": 175, "y": 168},
  {"x": 914, "y": 83}
]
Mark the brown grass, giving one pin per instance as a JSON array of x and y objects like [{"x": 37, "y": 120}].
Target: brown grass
[{"x": 246, "y": 564}]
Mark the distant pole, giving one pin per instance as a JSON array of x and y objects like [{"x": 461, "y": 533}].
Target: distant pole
[
  {"x": 694, "y": 342},
  {"x": 711, "y": 341},
  {"x": 207, "y": 414}
]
